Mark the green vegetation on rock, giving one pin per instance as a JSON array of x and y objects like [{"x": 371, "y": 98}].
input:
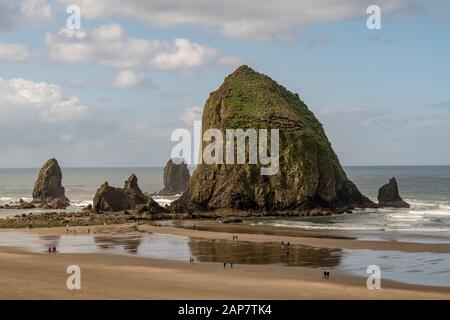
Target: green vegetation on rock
[{"x": 310, "y": 175}]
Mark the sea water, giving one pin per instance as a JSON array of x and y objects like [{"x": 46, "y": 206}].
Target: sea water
[{"x": 426, "y": 189}]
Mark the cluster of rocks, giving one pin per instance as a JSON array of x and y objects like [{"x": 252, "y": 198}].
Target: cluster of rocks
[
  {"x": 18, "y": 205},
  {"x": 130, "y": 197}
]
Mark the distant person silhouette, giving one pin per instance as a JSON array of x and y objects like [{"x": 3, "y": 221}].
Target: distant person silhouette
[{"x": 54, "y": 249}]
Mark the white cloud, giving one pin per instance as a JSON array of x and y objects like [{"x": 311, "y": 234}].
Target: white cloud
[
  {"x": 27, "y": 13},
  {"x": 22, "y": 99},
  {"x": 250, "y": 19},
  {"x": 191, "y": 114},
  {"x": 13, "y": 52},
  {"x": 128, "y": 79},
  {"x": 36, "y": 12},
  {"x": 110, "y": 46}
]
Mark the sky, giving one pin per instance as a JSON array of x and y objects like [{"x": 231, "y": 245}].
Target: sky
[{"x": 112, "y": 92}]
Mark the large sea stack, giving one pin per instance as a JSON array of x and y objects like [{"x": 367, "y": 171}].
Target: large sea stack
[
  {"x": 130, "y": 197},
  {"x": 388, "y": 195},
  {"x": 309, "y": 176},
  {"x": 176, "y": 178},
  {"x": 48, "y": 189}
]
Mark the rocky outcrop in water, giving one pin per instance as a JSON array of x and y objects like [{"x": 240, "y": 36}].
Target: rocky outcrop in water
[
  {"x": 48, "y": 187},
  {"x": 388, "y": 196},
  {"x": 130, "y": 197},
  {"x": 309, "y": 176},
  {"x": 176, "y": 178}
]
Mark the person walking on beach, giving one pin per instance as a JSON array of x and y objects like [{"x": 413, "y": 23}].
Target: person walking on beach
[
  {"x": 231, "y": 264},
  {"x": 224, "y": 264},
  {"x": 49, "y": 250},
  {"x": 54, "y": 249},
  {"x": 324, "y": 275},
  {"x": 328, "y": 275}
]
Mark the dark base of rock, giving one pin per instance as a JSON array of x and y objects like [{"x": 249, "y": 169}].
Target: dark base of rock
[
  {"x": 231, "y": 220},
  {"x": 396, "y": 204}
]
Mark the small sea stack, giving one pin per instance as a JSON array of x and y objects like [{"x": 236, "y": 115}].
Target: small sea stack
[
  {"x": 48, "y": 190},
  {"x": 388, "y": 196},
  {"x": 130, "y": 197},
  {"x": 176, "y": 178}
]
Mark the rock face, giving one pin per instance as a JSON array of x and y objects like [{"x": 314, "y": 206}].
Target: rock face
[
  {"x": 176, "y": 178},
  {"x": 309, "y": 176},
  {"x": 388, "y": 196},
  {"x": 135, "y": 193},
  {"x": 112, "y": 199},
  {"x": 48, "y": 187}
]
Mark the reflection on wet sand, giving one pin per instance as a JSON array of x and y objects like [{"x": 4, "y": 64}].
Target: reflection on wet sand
[
  {"x": 263, "y": 253},
  {"x": 163, "y": 246},
  {"x": 129, "y": 243},
  {"x": 50, "y": 240}
]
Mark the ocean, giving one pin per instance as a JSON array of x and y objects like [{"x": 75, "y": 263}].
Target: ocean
[{"x": 426, "y": 188}]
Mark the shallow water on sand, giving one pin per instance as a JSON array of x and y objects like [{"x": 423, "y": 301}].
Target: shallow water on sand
[{"x": 417, "y": 268}]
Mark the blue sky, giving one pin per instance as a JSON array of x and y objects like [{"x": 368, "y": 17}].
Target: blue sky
[{"x": 111, "y": 93}]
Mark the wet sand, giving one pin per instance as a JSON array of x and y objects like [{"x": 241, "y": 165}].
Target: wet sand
[
  {"x": 27, "y": 275},
  {"x": 213, "y": 230},
  {"x": 39, "y": 276},
  {"x": 319, "y": 240}
]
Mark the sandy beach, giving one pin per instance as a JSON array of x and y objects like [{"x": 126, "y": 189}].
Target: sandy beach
[{"x": 27, "y": 275}]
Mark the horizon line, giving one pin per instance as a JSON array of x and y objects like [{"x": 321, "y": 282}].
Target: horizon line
[{"x": 190, "y": 165}]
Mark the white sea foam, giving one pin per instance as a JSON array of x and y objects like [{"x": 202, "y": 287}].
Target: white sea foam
[
  {"x": 82, "y": 203},
  {"x": 337, "y": 226},
  {"x": 163, "y": 201}
]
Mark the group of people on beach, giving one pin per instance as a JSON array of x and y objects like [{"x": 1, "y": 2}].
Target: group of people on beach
[
  {"x": 51, "y": 250},
  {"x": 326, "y": 275}
]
